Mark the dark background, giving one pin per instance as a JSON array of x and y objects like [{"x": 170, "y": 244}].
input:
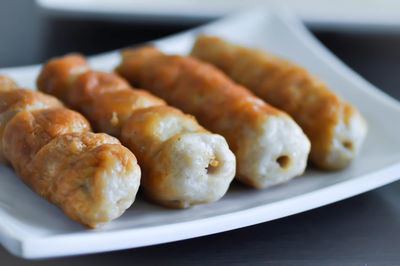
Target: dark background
[{"x": 363, "y": 230}]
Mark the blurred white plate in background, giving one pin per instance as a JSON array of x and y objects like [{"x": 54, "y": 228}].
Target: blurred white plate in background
[
  {"x": 31, "y": 227},
  {"x": 375, "y": 15}
]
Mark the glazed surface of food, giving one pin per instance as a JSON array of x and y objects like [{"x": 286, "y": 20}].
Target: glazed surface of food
[
  {"x": 91, "y": 177},
  {"x": 335, "y": 128},
  {"x": 269, "y": 147},
  {"x": 183, "y": 164},
  {"x": 7, "y": 84}
]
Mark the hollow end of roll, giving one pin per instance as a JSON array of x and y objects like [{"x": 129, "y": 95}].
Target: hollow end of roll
[
  {"x": 90, "y": 176},
  {"x": 213, "y": 166},
  {"x": 107, "y": 190},
  {"x": 344, "y": 145},
  {"x": 284, "y": 161},
  {"x": 277, "y": 153}
]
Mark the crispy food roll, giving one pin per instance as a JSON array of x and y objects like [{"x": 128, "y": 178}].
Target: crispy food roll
[
  {"x": 269, "y": 146},
  {"x": 192, "y": 164},
  {"x": 335, "y": 128},
  {"x": 91, "y": 177},
  {"x": 183, "y": 164}
]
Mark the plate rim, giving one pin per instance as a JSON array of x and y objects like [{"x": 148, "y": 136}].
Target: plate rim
[{"x": 27, "y": 247}]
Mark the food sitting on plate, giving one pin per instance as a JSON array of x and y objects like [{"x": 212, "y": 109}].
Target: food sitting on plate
[
  {"x": 183, "y": 164},
  {"x": 335, "y": 128},
  {"x": 270, "y": 147},
  {"x": 91, "y": 177}
]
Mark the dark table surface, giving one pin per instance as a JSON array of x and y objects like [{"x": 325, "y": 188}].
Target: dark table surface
[{"x": 363, "y": 230}]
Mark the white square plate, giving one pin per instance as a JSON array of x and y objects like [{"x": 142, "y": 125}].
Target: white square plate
[{"x": 33, "y": 228}]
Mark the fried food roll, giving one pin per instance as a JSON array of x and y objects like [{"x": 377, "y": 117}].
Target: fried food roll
[
  {"x": 183, "y": 164},
  {"x": 335, "y": 128},
  {"x": 91, "y": 177},
  {"x": 269, "y": 146}
]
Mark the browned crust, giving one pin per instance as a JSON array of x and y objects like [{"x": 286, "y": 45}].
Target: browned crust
[
  {"x": 29, "y": 131},
  {"x": 7, "y": 84},
  {"x": 107, "y": 100},
  {"x": 59, "y": 76},
  {"x": 14, "y": 100}
]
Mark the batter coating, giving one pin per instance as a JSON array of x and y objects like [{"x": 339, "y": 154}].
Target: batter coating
[
  {"x": 58, "y": 78},
  {"x": 269, "y": 147},
  {"x": 29, "y": 131},
  {"x": 174, "y": 151},
  {"x": 91, "y": 177},
  {"x": 14, "y": 100},
  {"x": 335, "y": 128},
  {"x": 7, "y": 84},
  {"x": 107, "y": 100}
]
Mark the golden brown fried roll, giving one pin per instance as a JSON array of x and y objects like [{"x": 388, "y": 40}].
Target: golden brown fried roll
[
  {"x": 183, "y": 164},
  {"x": 336, "y": 129},
  {"x": 91, "y": 177},
  {"x": 269, "y": 146}
]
